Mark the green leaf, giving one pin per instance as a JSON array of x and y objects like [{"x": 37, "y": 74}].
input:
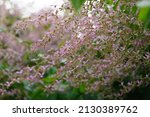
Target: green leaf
[
  {"x": 49, "y": 80},
  {"x": 116, "y": 4},
  {"x": 50, "y": 72},
  {"x": 77, "y": 4},
  {"x": 144, "y": 14},
  {"x": 27, "y": 85},
  {"x": 82, "y": 88},
  {"x": 134, "y": 9},
  {"x": 99, "y": 54},
  {"x": 110, "y": 2}
]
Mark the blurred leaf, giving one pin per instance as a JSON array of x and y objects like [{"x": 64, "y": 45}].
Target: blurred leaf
[
  {"x": 116, "y": 4},
  {"x": 77, "y": 4},
  {"x": 28, "y": 43},
  {"x": 32, "y": 58},
  {"x": 2, "y": 67},
  {"x": 19, "y": 86},
  {"x": 82, "y": 88},
  {"x": 134, "y": 26},
  {"x": 134, "y": 10},
  {"x": 50, "y": 71},
  {"x": 99, "y": 54},
  {"x": 110, "y": 2},
  {"x": 49, "y": 80},
  {"x": 27, "y": 85},
  {"x": 144, "y": 13},
  {"x": 81, "y": 49}
]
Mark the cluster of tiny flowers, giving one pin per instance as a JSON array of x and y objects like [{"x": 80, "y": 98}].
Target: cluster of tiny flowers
[{"x": 100, "y": 48}]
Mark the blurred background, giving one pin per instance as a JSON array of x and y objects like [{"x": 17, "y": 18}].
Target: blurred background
[{"x": 32, "y": 6}]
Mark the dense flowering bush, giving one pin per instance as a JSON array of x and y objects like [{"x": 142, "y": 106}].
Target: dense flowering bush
[{"x": 103, "y": 52}]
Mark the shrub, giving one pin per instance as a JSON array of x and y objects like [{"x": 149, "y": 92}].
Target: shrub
[{"x": 100, "y": 53}]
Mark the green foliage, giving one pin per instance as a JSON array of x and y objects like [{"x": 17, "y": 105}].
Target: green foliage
[
  {"x": 115, "y": 5},
  {"x": 144, "y": 14},
  {"x": 51, "y": 71},
  {"x": 36, "y": 91},
  {"x": 77, "y": 4},
  {"x": 32, "y": 58},
  {"x": 49, "y": 76},
  {"x": 99, "y": 55},
  {"x": 110, "y": 2}
]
